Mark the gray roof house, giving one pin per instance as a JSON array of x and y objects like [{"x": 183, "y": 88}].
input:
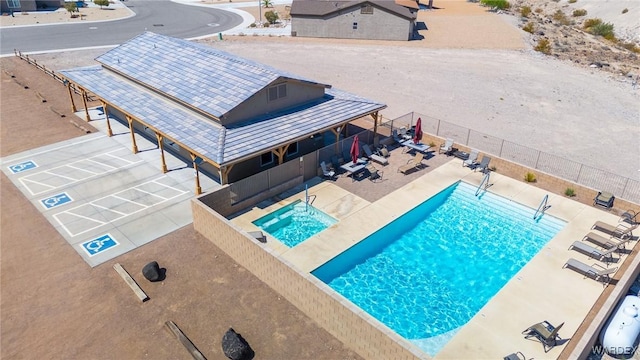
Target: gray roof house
[
  {"x": 354, "y": 19},
  {"x": 218, "y": 109}
]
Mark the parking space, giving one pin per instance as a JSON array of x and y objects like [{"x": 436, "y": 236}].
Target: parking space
[{"x": 102, "y": 198}]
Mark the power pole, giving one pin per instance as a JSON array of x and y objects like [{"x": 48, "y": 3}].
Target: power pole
[{"x": 260, "y": 7}]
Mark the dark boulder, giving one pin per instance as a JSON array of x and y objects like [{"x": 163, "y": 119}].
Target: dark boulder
[
  {"x": 235, "y": 347},
  {"x": 152, "y": 271}
]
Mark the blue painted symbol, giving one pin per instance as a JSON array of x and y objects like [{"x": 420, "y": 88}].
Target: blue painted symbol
[
  {"x": 95, "y": 246},
  {"x": 56, "y": 200},
  {"x": 23, "y": 166}
]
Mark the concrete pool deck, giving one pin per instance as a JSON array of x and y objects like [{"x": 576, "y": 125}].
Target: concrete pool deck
[{"x": 542, "y": 290}]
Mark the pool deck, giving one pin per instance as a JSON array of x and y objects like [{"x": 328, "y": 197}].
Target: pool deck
[{"x": 542, "y": 290}]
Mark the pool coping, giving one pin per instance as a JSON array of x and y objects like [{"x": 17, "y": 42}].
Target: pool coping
[{"x": 545, "y": 291}]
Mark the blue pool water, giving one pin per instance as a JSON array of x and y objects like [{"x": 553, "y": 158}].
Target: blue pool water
[
  {"x": 295, "y": 223},
  {"x": 430, "y": 271}
]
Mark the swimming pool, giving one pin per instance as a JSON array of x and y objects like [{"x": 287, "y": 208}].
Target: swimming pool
[
  {"x": 430, "y": 271},
  {"x": 294, "y": 223}
]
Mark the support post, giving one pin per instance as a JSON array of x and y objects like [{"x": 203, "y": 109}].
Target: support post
[
  {"x": 160, "y": 139},
  {"x": 133, "y": 135},
  {"x": 73, "y": 104},
  {"x": 224, "y": 174},
  {"x": 375, "y": 128},
  {"x": 86, "y": 107},
  {"x": 197, "y": 173},
  {"x": 106, "y": 116}
]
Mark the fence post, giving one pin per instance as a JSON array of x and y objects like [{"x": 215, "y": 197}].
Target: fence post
[
  {"x": 438, "y": 128},
  {"x": 537, "y": 159},
  {"x": 468, "y": 135},
  {"x": 501, "y": 146},
  {"x": 579, "y": 172}
]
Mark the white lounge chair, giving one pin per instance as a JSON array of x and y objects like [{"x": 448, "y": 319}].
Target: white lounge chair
[
  {"x": 604, "y": 242},
  {"x": 471, "y": 160},
  {"x": 377, "y": 158},
  {"x": 601, "y": 274},
  {"x": 602, "y": 255},
  {"x": 326, "y": 172},
  {"x": 620, "y": 231},
  {"x": 447, "y": 147},
  {"x": 483, "y": 165}
]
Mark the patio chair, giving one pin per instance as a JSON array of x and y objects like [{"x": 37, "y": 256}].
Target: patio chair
[
  {"x": 326, "y": 172},
  {"x": 374, "y": 173},
  {"x": 396, "y": 137},
  {"x": 404, "y": 133},
  {"x": 603, "y": 242},
  {"x": 483, "y": 165},
  {"x": 630, "y": 217},
  {"x": 471, "y": 161},
  {"x": 413, "y": 163},
  {"x": 603, "y": 255},
  {"x": 544, "y": 332},
  {"x": 515, "y": 356},
  {"x": 604, "y": 199},
  {"x": 383, "y": 151},
  {"x": 619, "y": 231},
  {"x": 377, "y": 158},
  {"x": 600, "y": 275},
  {"x": 447, "y": 147}
]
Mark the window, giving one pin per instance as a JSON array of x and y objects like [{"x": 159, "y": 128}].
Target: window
[
  {"x": 266, "y": 159},
  {"x": 277, "y": 92},
  {"x": 366, "y": 9},
  {"x": 292, "y": 149},
  {"x": 355, "y": 26},
  {"x": 13, "y": 4}
]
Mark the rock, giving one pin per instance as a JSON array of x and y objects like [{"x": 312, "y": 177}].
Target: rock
[
  {"x": 152, "y": 272},
  {"x": 235, "y": 347}
]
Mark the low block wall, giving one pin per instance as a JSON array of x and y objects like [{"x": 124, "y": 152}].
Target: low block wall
[{"x": 352, "y": 326}]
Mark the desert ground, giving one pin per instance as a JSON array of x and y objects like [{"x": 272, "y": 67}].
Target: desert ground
[{"x": 473, "y": 68}]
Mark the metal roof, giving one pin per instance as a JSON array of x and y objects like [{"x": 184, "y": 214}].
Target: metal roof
[
  {"x": 208, "y": 138},
  {"x": 210, "y": 80},
  {"x": 326, "y": 7}
]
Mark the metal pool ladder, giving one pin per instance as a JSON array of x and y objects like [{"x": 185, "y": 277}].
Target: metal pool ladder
[
  {"x": 542, "y": 207},
  {"x": 485, "y": 182}
]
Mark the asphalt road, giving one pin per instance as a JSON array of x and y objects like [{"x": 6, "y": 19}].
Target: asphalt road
[{"x": 160, "y": 16}]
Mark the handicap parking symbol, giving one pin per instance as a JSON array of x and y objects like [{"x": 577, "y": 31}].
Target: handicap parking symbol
[
  {"x": 56, "y": 200},
  {"x": 23, "y": 166},
  {"x": 97, "y": 245}
]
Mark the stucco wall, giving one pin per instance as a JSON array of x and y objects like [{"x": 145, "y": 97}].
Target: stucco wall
[{"x": 381, "y": 25}]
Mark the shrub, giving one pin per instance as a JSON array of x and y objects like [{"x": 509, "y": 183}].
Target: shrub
[
  {"x": 561, "y": 18},
  {"x": 529, "y": 27},
  {"x": 570, "y": 192},
  {"x": 498, "y": 4},
  {"x": 543, "y": 46},
  {"x": 591, "y": 22},
  {"x": 579, "y": 12},
  {"x": 71, "y": 7},
  {"x": 266, "y": 24},
  {"x": 101, "y": 3},
  {"x": 625, "y": 10},
  {"x": 631, "y": 47},
  {"x": 525, "y": 11},
  {"x": 598, "y": 28},
  {"x": 271, "y": 17},
  {"x": 572, "y": 1},
  {"x": 252, "y": 25},
  {"x": 538, "y": 10},
  {"x": 530, "y": 177}
]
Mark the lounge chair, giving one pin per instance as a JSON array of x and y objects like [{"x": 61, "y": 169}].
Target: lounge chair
[
  {"x": 377, "y": 158},
  {"x": 404, "y": 134},
  {"x": 374, "y": 174},
  {"x": 471, "y": 160},
  {"x": 483, "y": 165},
  {"x": 515, "y": 356},
  {"x": 602, "y": 255},
  {"x": 396, "y": 137},
  {"x": 620, "y": 231},
  {"x": 384, "y": 152},
  {"x": 335, "y": 162},
  {"x": 447, "y": 147},
  {"x": 546, "y": 333},
  {"x": 604, "y": 199},
  {"x": 601, "y": 275},
  {"x": 630, "y": 217},
  {"x": 326, "y": 172},
  {"x": 413, "y": 163},
  {"x": 603, "y": 242}
]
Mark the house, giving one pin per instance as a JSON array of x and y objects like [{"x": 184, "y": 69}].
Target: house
[
  {"x": 11, "y": 6},
  {"x": 231, "y": 117},
  {"x": 355, "y": 19}
]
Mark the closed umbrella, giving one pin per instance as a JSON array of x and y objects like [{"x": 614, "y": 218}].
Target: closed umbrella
[
  {"x": 355, "y": 150},
  {"x": 417, "y": 135}
]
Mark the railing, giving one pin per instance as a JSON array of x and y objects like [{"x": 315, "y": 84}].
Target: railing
[
  {"x": 542, "y": 207},
  {"x": 485, "y": 182},
  {"x": 623, "y": 187}
]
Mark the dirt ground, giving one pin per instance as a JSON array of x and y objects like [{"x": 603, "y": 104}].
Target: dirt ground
[{"x": 54, "y": 306}]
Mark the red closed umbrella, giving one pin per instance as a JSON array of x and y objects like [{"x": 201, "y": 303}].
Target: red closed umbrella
[
  {"x": 417, "y": 134},
  {"x": 355, "y": 150}
]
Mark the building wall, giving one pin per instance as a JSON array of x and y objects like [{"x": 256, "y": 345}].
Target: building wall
[
  {"x": 259, "y": 104},
  {"x": 30, "y": 5},
  {"x": 381, "y": 25}
]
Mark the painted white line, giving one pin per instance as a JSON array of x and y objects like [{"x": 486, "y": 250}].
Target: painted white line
[
  {"x": 119, "y": 158},
  {"x": 30, "y": 155},
  {"x": 86, "y": 217},
  {"x": 99, "y": 163},
  {"x": 24, "y": 182},
  {"x": 58, "y": 175},
  {"x": 85, "y": 170},
  {"x": 108, "y": 209},
  {"x": 152, "y": 194},
  {"x": 133, "y": 202}
]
